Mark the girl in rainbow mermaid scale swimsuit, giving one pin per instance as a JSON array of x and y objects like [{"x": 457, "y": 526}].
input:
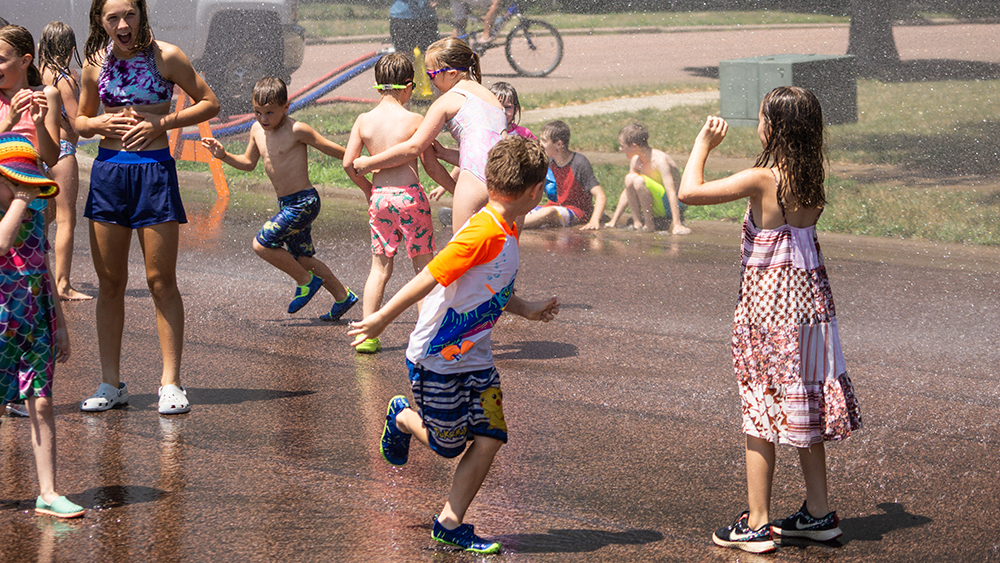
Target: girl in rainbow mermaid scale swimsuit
[{"x": 32, "y": 329}]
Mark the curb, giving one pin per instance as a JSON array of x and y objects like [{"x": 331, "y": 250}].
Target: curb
[
  {"x": 384, "y": 39},
  {"x": 603, "y": 107}
]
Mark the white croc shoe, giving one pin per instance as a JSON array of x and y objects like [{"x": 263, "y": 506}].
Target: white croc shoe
[
  {"x": 107, "y": 397},
  {"x": 173, "y": 400}
]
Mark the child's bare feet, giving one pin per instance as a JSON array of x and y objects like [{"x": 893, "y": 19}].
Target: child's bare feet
[{"x": 71, "y": 294}]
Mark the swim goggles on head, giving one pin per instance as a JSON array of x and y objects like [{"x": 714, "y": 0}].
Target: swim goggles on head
[
  {"x": 392, "y": 86},
  {"x": 432, "y": 73}
]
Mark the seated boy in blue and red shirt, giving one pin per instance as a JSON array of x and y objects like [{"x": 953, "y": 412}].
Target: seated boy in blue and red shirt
[{"x": 579, "y": 197}]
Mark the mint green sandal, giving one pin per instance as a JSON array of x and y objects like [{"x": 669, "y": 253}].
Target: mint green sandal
[{"x": 62, "y": 507}]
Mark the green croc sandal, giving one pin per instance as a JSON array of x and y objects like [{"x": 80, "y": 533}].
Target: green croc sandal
[
  {"x": 62, "y": 507},
  {"x": 369, "y": 346}
]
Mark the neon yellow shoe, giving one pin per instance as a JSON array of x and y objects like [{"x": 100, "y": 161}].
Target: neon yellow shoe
[{"x": 369, "y": 346}]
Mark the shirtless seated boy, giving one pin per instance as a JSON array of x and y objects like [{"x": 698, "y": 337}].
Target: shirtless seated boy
[{"x": 651, "y": 185}]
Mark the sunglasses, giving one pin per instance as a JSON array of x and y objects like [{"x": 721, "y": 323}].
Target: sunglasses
[{"x": 432, "y": 73}]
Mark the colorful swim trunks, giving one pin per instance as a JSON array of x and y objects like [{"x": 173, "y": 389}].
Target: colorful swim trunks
[
  {"x": 453, "y": 406},
  {"x": 292, "y": 226},
  {"x": 401, "y": 216}
]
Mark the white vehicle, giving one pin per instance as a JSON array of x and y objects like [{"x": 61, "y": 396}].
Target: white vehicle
[{"x": 232, "y": 42}]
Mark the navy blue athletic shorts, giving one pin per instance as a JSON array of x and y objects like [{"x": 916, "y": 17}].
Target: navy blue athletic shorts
[{"x": 134, "y": 189}]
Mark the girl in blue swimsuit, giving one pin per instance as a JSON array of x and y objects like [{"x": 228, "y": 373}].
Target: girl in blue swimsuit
[
  {"x": 55, "y": 51},
  {"x": 133, "y": 182}
]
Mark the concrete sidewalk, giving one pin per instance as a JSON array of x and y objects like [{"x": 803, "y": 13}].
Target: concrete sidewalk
[{"x": 659, "y": 102}]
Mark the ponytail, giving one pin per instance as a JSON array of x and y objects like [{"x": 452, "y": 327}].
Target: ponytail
[{"x": 476, "y": 69}]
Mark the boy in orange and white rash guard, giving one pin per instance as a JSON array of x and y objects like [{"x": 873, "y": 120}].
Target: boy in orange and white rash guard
[{"x": 465, "y": 288}]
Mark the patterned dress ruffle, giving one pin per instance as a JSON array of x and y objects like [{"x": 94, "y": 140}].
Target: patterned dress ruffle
[{"x": 793, "y": 382}]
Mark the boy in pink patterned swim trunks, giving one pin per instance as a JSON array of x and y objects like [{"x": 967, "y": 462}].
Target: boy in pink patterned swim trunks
[{"x": 398, "y": 211}]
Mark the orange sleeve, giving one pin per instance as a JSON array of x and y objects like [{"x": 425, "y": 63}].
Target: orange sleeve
[{"x": 478, "y": 243}]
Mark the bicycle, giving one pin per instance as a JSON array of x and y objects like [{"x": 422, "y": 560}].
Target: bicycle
[{"x": 533, "y": 47}]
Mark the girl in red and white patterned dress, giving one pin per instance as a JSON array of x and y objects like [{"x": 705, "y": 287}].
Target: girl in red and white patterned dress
[{"x": 793, "y": 383}]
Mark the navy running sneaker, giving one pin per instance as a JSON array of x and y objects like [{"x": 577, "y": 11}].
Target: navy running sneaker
[
  {"x": 803, "y": 525},
  {"x": 740, "y": 536},
  {"x": 304, "y": 293},
  {"x": 395, "y": 445},
  {"x": 340, "y": 307},
  {"x": 465, "y": 537}
]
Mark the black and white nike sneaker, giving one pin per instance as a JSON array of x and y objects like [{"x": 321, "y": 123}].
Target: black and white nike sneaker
[
  {"x": 740, "y": 536},
  {"x": 803, "y": 525}
]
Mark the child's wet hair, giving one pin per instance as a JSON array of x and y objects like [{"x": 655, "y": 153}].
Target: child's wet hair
[
  {"x": 21, "y": 41},
  {"x": 452, "y": 52},
  {"x": 270, "y": 90},
  {"x": 556, "y": 131},
  {"x": 793, "y": 121},
  {"x": 56, "y": 47},
  {"x": 506, "y": 93},
  {"x": 98, "y": 39},
  {"x": 515, "y": 164},
  {"x": 394, "y": 68},
  {"x": 634, "y": 134}
]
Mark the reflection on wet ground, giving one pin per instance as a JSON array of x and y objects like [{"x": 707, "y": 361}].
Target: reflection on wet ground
[{"x": 625, "y": 439}]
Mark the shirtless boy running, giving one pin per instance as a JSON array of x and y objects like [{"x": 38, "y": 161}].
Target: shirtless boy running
[
  {"x": 398, "y": 211},
  {"x": 282, "y": 142}
]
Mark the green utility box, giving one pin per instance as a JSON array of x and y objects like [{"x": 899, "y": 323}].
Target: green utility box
[{"x": 744, "y": 82}]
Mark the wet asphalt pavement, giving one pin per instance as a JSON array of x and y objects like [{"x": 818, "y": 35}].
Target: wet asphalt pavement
[{"x": 623, "y": 412}]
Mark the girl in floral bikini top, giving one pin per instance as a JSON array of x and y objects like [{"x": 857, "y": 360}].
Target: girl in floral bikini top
[
  {"x": 133, "y": 182},
  {"x": 132, "y": 82}
]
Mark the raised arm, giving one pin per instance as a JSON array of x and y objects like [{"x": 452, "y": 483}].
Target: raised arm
[
  {"x": 177, "y": 69},
  {"x": 10, "y": 224},
  {"x": 373, "y": 325},
  {"x": 45, "y": 111},
  {"x": 694, "y": 190},
  {"x": 353, "y": 151},
  {"x": 246, "y": 162}
]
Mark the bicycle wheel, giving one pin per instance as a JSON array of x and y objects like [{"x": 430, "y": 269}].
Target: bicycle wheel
[{"x": 534, "y": 48}]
